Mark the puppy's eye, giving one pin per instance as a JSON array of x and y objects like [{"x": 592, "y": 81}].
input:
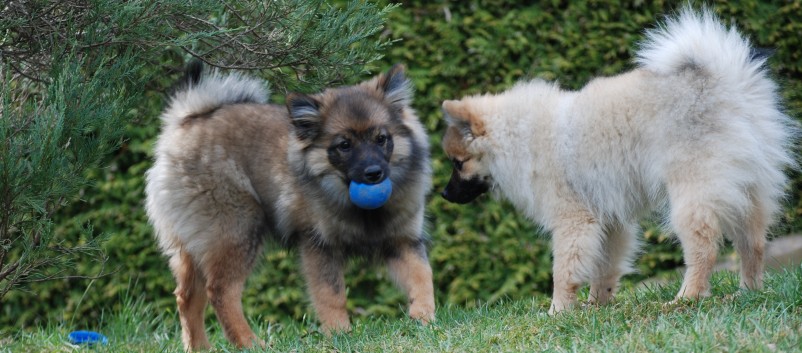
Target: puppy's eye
[
  {"x": 381, "y": 139},
  {"x": 457, "y": 164},
  {"x": 344, "y": 146}
]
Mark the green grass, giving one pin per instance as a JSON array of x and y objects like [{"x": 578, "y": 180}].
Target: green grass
[{"x": 732, "y": 320}]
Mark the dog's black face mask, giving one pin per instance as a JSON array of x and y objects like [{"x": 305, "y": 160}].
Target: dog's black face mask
[
  {"x": 463, "y": 191},
  {"x": 363, "y": 158},
  {"x": 368, "y": 165}
]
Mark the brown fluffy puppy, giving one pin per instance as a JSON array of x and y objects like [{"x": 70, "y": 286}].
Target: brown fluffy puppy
[{"x": 231, "y": 170}]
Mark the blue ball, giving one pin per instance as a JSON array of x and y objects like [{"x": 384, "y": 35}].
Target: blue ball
[
  {"x": 370, "y": 196},
  {"x": 87, "y": 338}
]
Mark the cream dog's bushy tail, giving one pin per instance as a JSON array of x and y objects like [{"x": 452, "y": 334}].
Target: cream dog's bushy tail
[
  {"x": 736, "y": 76},
  {"x": 698, "y": 40},
  {"x": 200, "y": 92}
]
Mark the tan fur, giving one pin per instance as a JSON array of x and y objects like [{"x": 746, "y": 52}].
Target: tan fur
[
  {"x": 191, "y": 298},
  {"x": 457, "y": 109},
  {"x": 413, "y": 275},
  {"x": 225, "y": 281},
  {"x": 326, "y": 286},
  {"x": 452, "y": 142}
]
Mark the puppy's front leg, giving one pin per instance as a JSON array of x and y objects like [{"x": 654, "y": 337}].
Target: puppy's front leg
[
  {"x": 323, "y": 269},
  {"x": 410, "y": 269},
  {"x": 578, "y": 243}
]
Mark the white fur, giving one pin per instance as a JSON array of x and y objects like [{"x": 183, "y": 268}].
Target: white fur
[{"x": 696, "y": 130}]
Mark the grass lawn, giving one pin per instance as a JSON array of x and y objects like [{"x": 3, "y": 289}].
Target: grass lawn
[{"x": 732, "y": 320}]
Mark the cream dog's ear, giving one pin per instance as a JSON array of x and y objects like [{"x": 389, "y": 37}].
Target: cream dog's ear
[{"x": 459, "y": 115}]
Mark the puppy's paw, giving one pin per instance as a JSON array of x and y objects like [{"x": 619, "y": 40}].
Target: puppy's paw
[
  {"x": 560, "y": 306},
  {"x": 335, "y": 328},
  {"x": 260, "y": 342},
  {"x": 250, "y": 341},
  {"x": 422, "y": 313}
]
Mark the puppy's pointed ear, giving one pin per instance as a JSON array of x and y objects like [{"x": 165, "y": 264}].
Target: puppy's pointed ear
[
  {"x": 397, "y": 88},
  {"x": 305, "y": 115},
  {"x": 460, "y": 116}
]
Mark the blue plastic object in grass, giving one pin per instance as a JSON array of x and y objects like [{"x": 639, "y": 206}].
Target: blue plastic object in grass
[
  {"x": 370, "y": 196},
  {"x": 87, "y": 338}
]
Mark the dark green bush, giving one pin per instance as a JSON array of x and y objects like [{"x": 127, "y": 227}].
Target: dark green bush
[{"x": 480, "y": 252}]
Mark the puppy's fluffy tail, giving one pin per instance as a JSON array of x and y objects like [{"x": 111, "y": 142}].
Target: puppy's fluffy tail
[
  {"x": 200, "y": 92},
  {"x": 739, "y": 83},
  {"x": 698, "y": 40}
]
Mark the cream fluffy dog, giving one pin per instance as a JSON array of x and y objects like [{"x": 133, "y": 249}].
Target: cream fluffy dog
[{"x": 695, "y": 130}]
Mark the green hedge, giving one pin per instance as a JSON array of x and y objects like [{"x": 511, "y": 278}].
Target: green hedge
[{"x": 480, "y": 252}]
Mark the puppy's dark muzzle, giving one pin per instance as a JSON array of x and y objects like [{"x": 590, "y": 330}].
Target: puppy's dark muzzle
[
  {"x": 373, "y": 174},
  {"x": 368, "y": 166},
  {"x": 463, "y": 191}
]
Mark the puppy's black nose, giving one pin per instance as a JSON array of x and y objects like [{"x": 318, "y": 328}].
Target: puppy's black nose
[{"x": 373, "y": 174}]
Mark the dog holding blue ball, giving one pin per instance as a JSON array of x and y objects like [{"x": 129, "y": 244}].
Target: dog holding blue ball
[{"x": 337, "y": 174}]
